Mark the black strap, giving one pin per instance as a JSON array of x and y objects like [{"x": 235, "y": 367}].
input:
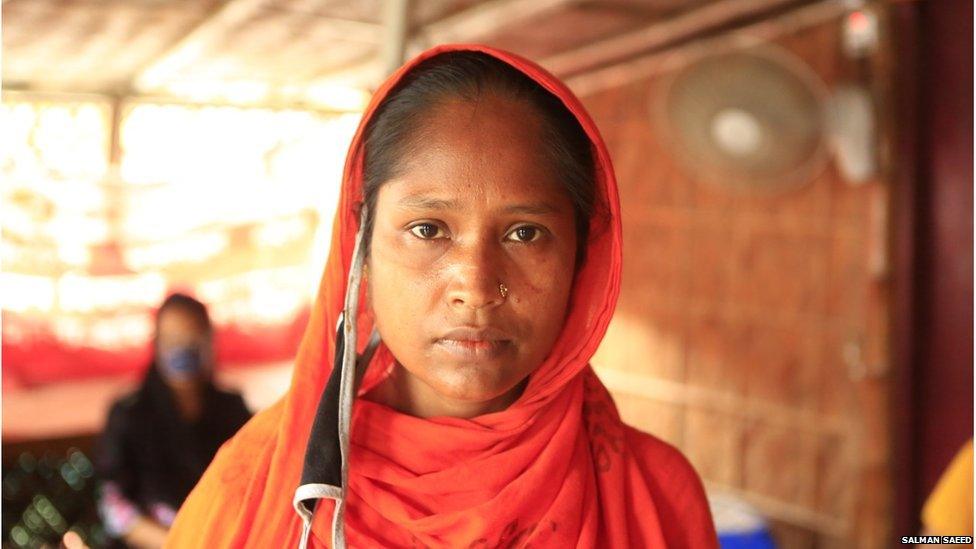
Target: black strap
[{"x": 323, "y": 457}]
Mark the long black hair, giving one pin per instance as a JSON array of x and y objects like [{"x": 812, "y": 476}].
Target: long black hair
[
  {"x": 190, "y": 305},
  {"x": 394, "y": 131}
]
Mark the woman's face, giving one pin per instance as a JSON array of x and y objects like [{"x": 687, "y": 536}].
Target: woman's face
[
  {"x": 475, "y": 207},
  {"x": 182, "y": 347}
]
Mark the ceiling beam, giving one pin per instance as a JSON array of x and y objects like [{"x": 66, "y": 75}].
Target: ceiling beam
[
  {"x": 71, "y": 96},
  {"x": 475, "y": 23},
  {"x": 189, "y": 48},
  {"x": 754, "y": 34},
  {"x": 482, "y": 20},
  {"x": 396, "y": 22},
  {"x": 353, "y": 30},
  {"x": 659, "y": 35}
]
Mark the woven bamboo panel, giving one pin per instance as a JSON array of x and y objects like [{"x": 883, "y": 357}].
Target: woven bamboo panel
[{"x": 743, "y": 318}]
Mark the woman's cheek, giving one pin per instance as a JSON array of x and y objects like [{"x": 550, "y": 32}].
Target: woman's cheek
[
  {"x": 544, "y": 272},
  {"x": 547, "y": 289},
  {"x": 400, "y": 294}
]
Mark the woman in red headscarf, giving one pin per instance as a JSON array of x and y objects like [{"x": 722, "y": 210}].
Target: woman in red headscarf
[{"x": 442, "y": 395}]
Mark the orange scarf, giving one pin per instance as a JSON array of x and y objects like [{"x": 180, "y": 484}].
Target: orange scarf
[{"x": 556, "y": 469}]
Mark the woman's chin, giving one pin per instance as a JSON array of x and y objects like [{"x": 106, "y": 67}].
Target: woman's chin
[
  {"x": 477, "y": 390},
  {"x": 442, "y": 385}
]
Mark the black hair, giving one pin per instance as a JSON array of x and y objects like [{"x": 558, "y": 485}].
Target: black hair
[
  {"x": 395, "y": 130},
  {"x": 189, "y": 305}
]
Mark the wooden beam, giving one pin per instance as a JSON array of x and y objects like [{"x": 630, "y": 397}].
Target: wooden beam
[
  {"x": 396, "y": 22},
  {"x": 660, "y": 34},
  {"x": 482, "y": 20},
  {"x": 789, "y": 512},
  {"x": 365, "y": 73},
  {"x": 68, "y": 96},
  {"x": 726, "y": 403},
  {"x": 670, "y": 59},
  {"x": 472, "y": 24},
  {"x": 350, "y": 29},
  {"x": 189, "y": 48}
]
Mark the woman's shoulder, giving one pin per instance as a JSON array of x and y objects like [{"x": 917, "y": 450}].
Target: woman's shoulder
[
  {"x": 226, "y": 396},
  {"x": 258, "y": 431},
  {"x": 679, "y": 493},
  {"x": 124, "y": 413},
  {"x": 663, "y": 459},
  {"x": 229, "y": 406}
]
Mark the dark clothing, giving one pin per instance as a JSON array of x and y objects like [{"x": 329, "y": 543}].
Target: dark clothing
[{"x": 150, "y": 457}]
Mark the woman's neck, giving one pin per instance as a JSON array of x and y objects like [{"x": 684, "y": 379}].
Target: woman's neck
[{"x": 408, "y": 394}]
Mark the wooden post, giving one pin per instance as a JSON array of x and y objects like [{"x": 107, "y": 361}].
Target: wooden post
[{"x": 395, "y": 27}]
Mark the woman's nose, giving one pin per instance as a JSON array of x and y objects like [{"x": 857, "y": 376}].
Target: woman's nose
[{"x": 476, "y": 276}]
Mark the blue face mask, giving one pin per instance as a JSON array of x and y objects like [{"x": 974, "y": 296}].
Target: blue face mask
[{"x": 181, "y": 363}]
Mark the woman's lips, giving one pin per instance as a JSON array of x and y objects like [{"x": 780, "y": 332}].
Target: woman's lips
[
  {"x": 473, "y": 348},
  {"x": 474, "y": 342}
]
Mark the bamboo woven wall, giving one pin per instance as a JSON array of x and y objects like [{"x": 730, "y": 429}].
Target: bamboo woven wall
[{"x": 745, "y": 323}]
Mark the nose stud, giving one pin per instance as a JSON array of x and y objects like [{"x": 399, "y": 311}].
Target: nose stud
[{"x": 502, "y": 289}]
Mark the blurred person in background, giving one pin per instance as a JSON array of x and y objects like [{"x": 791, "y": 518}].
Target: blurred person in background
[{"x": 159, "y": 440}]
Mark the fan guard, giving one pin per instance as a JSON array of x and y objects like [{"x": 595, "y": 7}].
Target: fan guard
[{"x": 752, "y": 119}]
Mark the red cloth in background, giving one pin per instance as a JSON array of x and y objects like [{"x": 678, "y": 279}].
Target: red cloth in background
[{"x": 43, "y": 358}]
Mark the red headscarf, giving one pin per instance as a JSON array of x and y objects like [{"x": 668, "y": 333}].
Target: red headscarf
[{"x": 556, "y": 469}]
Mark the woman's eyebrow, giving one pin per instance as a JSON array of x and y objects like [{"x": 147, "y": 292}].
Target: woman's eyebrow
[
  {"x": 421, "y": 202},
  {"x": 534, "y": 208}
]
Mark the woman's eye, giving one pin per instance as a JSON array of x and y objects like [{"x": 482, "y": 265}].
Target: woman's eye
[
  {"x": 525, "y": 234},
  {"x": 425, "y": 231}
]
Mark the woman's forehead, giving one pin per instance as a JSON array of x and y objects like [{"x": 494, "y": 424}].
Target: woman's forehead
[
  {"x": 535, "y": 196},
  {"x": 474, "y": 150},
  {"x": 178, "y": 322},
  {"x": 489, "y": 111}
]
